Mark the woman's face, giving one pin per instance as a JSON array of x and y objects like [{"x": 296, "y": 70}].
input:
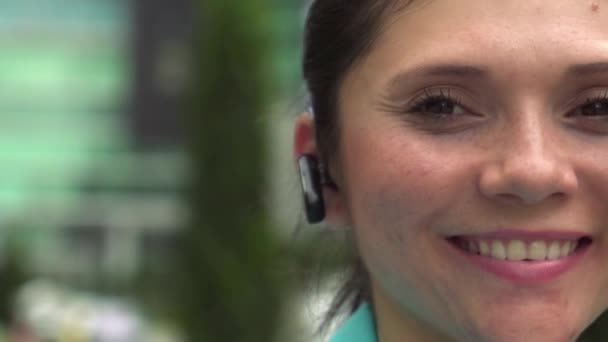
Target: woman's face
[{"x": 481, "y": 127}]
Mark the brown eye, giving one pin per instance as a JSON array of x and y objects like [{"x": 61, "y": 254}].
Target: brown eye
[
  {"x": 438, "y": 106},
  {"x": 592, "y": 116},
  {"x": 594, "y": 108},
  {"x": 437, "y": 111}
]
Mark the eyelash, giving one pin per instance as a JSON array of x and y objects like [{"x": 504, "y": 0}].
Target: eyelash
[
  {"x": 603, "y": 99},
  {"x": 431, "y": 96}
]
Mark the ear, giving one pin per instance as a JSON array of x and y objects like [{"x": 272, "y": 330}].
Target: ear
[{"x": 305, "y": 143}]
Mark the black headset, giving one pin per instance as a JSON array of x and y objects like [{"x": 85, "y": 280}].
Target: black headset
[{"x": 313, "y": 176}]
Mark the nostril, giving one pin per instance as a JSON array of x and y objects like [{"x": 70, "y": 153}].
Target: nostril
[
  {"x": 530, "y": 198},
  {"x": 510, "y": 197}
]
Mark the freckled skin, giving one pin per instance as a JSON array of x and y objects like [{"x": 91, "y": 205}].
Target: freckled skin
[{"x": 406, "y": 186}]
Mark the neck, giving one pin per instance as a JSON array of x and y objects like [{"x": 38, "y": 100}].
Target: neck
[{"x": 395, "y": 324}]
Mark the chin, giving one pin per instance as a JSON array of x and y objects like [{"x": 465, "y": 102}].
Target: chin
[
  {"x": 523, "y": 335},
  {"x": 517, "y": 326}
]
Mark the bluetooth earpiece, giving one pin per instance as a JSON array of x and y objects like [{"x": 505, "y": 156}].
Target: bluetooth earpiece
[{"x": 312, "y": 186}]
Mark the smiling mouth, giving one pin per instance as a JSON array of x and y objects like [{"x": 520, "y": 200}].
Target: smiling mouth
[{"x": 521, "y": 250}]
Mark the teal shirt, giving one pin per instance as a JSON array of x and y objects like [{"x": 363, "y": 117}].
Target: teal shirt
[{"x": 358, "y": 328}]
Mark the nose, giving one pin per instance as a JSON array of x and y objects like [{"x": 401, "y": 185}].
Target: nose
[{"x": 528, "y": 164}]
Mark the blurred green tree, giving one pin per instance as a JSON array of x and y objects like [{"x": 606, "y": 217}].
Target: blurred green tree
[
  {"x": 229, "y": 289},
  {"x": 12, "y": 276}
]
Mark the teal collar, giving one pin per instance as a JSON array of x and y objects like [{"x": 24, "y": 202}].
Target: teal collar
[{"x": 358, "y": 328}]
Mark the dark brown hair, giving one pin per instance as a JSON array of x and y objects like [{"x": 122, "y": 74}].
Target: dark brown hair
[{"x": 338, "y": 35}]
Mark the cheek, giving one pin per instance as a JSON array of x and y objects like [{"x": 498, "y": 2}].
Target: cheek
[
  {"x": 398, "y": 189},
  {"x": 395, "y": 183}
]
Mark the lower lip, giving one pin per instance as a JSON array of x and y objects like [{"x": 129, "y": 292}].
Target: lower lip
[{"x": 529, "y": 272}]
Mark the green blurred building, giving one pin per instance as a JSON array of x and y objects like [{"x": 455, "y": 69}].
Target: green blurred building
[
  {"x": 82, "y": 186},
  {"x": 93, "y": 159}
]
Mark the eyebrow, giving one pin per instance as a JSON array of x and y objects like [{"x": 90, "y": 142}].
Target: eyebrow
[
  {"x": 465, "y": 71},
  {"x": 586, "y": 69},
  {"x": 400, "y": 81}
]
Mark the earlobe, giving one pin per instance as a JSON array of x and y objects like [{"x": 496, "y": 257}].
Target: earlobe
[
  {"x": 336, "y": 215},
  {"x": 323, "y": 200}
]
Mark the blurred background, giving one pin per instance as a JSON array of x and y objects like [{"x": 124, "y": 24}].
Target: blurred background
[
  {"x": 146, "y": 182},
  {"x": 147, "y": 191}
]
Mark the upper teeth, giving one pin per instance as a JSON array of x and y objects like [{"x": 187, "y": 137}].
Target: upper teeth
[{"x": 521, "y": 250}]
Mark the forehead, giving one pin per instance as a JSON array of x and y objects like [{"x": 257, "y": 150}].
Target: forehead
[{"x": 521, "y": 34}]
